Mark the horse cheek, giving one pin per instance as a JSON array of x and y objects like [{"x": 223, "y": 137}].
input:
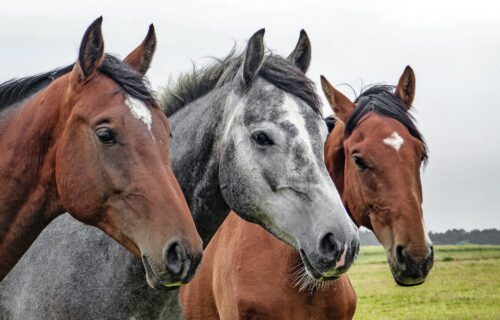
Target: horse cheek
[{"x": 77, "y": 178}]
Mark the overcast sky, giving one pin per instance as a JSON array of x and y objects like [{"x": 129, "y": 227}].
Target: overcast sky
[{"x": 453, "y": 46}]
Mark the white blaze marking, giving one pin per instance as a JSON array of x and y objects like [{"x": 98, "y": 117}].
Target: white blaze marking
[
  {"x": 140, "y": 111},
  {"x": 394, "y": 140},
  {"x": 295, "y": 117}
]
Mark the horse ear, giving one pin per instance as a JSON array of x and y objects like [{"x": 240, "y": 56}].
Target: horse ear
[
  {"x": 91, "y": 49},
  {"x": 406, "y": 87},
  {"x": 254, "y": 56},
  {"x": 140, "y": 59},
  {"x": 340, "y": 104},
  {"x": 301, "y": 55}
]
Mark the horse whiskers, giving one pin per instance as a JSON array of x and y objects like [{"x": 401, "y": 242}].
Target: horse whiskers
[
  {"x": 153, "y": 266},
  {"x": 298, "y": 267},
  {"x": 299, "y": 278}
]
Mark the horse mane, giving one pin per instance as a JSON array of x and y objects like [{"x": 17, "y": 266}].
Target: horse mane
[
  {"x": 275, "y": 69},
  {"x": 134, "y": 84},
  {"x": 15, "y": 90},
  {"x": 382, "y": 100}
]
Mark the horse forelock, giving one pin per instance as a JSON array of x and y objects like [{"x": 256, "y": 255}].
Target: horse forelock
[{"x": 382, "y": 100}]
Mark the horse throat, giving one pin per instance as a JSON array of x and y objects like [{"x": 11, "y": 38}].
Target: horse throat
[{"x": 195, "y": 154}]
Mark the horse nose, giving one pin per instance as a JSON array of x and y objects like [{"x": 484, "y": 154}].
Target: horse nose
[
  {"x": 181, "y": 264},
  {"x": 335, "y": 254},
  {"x": 401, "y": 257},
  {"x": 329, "y": 248},
  {"x": 429, "y": 261},
  {"x": 410, "y": 266},
  {"x": 175, "y": 257}
]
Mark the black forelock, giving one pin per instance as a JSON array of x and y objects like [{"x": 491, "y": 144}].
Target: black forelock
[
  {"x": 382, "y": 100},
  {"x": 134, "y": 84},
  {"x": 275, "y": 69}
]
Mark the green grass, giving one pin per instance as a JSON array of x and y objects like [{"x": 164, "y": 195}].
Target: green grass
[{"x": 464, "y": 284}]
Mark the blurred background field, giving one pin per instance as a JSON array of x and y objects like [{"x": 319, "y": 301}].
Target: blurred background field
[{"x": 464, "y": 284}]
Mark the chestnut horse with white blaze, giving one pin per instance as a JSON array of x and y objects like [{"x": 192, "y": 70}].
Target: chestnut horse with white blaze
[
  {"x": 374, "y": 155},
  {"x": 91, "y": 139}
]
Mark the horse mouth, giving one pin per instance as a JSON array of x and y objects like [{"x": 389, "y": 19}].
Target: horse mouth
[
  {"x": 154, "y": 279},
  {"x": 403, "y": 280},
  {"x": 312, "y": 272},
  {"x": 408, "y": 282}
]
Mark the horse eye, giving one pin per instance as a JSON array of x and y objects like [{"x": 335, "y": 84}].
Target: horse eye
[
  {"x": 360, "y": 163},
  {"x": 262, "y": 139},
  {"x": 105, "y": 135}
]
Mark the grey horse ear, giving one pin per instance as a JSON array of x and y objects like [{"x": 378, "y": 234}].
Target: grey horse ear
[
  {"x": 140, "y": 58},
  {"x": 91, "y": 49},
  {"x": 254, "y": 56},
  {"x": 301, "y": 55}
]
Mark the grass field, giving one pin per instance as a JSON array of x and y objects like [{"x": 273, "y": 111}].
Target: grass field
[{"x": 464, "y": 284}]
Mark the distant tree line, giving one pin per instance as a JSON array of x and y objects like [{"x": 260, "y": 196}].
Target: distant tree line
[
  {"x": 460, "y": 236},
  {"x": 453, "y": 236}
]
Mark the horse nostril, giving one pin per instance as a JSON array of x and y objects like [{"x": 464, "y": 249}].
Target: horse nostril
[
  {"x": 400, "y": 258},
  {"x": 328, "y": 248},
  {"x": 196, "y": 261},
  {"x": 175, "y": 256},
  {"x": 193, "y": 266}
]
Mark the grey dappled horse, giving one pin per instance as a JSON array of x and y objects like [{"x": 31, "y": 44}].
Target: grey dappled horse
[{"x": 247, "y": 135}]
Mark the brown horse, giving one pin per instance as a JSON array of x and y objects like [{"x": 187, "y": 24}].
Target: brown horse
[
  {"x": 90, "y": 139},
  {"x": 374, "y": 156}
]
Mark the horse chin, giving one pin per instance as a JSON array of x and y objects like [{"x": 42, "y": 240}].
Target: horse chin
[
  {"x": 154, "y": 280},
  {"x": 312, "y": 272},
  {"x": 408, "y": 282}
]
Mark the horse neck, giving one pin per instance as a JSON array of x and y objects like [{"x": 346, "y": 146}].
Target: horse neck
[
  {"x": 28, "y": 201},
  {"x": 196, "y": 132}
]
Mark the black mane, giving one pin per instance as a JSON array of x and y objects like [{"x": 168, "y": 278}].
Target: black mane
[
  {"x": 382, "y": 100},
  {"x": 275, "y": 69},
  {"x": 16, "y": 90}
]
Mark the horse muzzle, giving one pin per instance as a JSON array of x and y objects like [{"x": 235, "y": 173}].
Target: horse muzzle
[
  {"x": 178, "y": 268},
  {"x": 406, "y": 270},
  {"x": 331, "y": 260}
]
